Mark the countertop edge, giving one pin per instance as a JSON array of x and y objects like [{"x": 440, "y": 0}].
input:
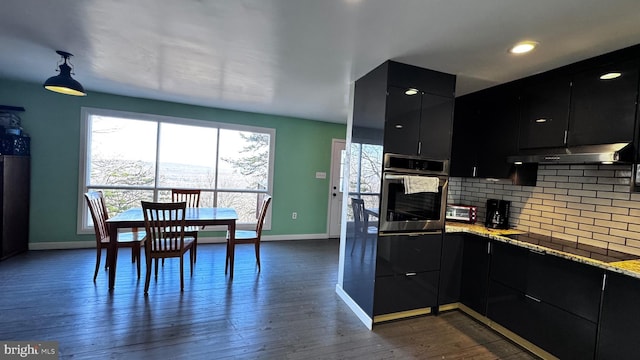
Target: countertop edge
[{"x": 496, "y": 235}]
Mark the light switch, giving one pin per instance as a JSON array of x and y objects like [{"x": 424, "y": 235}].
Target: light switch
[{"x": 321, "y": 175}]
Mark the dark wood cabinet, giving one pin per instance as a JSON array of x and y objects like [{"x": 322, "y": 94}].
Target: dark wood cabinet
[
  {"x": 407, "y": 272},
  {"x": 475, "y": 273},
  {"x": 418, "y": 123},
  {"x": 603, "y": 111},
  {"x": 619, "y": 331},
  {"x": 544, "y": 111},
  {"x": 550, "y": 301},
  {"x": 555, "y": 330},
  {"x": 451, "y": 268},
  {"x": 485, "y": 133},
  {"x": 15, "y": 177}
]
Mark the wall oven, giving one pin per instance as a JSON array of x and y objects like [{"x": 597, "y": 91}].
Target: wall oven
[{"x": 413, "y": 195}]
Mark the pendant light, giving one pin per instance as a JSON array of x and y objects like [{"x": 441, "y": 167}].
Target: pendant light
[{"x": 63, "y": 83}]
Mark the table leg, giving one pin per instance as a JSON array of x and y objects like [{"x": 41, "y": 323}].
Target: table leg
[
  {"x": 113, "y": 254},
  {"x": 232, "y": 246}
]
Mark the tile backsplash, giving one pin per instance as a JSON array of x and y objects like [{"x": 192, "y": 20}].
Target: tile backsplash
[{"x": 587, "y": 204}]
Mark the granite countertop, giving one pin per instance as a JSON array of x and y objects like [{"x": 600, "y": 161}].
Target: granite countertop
[{"x": 627, "y": 264}]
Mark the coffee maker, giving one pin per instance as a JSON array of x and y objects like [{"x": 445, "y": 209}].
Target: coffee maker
[{"x": 497, "y": 214}]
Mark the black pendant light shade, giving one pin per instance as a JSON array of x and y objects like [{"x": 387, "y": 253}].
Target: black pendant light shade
[{"x": 63, "y": 83}]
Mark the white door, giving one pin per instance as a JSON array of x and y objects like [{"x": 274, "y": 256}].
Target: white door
[{"x": 335, "y": 186}]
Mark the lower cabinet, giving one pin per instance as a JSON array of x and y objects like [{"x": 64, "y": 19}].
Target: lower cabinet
[
  {"x": 620, "y": 318},
  {"x": 404, "y": 292},
  {"x": 475, "y": 273},
  {"x": 451, "y": 269},
  {"x": 407, "y": 272},
  {"x": 550, "y": 301},
  {"x": 555, "y": 330}
]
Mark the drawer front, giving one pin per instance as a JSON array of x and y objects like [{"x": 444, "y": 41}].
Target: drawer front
[
  {"x": 559, "y": 332},
  {"x": 567, "y": 284},
  {"x": 406, "y": 254},
  {"x": 405, "y": 292},
  {"x": 509, "y": 265}
]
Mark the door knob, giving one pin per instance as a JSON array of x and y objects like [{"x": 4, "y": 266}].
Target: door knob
[{"x": 334, "y": 194}]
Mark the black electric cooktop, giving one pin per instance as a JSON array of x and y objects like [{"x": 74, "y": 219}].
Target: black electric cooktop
[{"x": 583, "y": 250}]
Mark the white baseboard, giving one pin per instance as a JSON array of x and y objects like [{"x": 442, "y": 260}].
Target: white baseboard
[
  {"x": 366, "y": 320},
  {"x": 66, "y": 245}
]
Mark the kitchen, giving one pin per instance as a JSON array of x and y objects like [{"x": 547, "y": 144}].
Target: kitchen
[{"x": 571, "y": 196}]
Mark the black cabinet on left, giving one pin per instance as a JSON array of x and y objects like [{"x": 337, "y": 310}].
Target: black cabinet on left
[
  {"x": 418, "y": 124},
  {"x": 14, "y": 199},
  {"x": 411, "y": 108},
  {"x": 407, "y": 273}
]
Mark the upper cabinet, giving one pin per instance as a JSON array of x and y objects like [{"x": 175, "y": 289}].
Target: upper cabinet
[
  {"x": 544, "y": 112},
  {"x": 588, "y": 103},
  {"x": 485, "y": 133},
  {"x": 418, "y": 123},
  {"x": 603, "y": 104},
  {"x": 412, "y": 107}
]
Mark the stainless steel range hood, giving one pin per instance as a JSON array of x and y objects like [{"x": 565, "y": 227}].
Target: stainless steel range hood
[{"x": 589, "y": 154}]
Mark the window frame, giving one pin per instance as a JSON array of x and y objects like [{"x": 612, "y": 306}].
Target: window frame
[{"x": 84, "y": 158}]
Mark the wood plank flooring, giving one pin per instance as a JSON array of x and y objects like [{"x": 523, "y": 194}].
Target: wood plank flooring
[{"x": 287, "y": 311}]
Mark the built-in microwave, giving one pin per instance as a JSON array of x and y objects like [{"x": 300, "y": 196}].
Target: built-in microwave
[{"x": 413, "y": 194}]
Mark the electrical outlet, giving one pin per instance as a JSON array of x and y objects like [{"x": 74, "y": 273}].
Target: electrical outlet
[{"x": 294, "y": 215}]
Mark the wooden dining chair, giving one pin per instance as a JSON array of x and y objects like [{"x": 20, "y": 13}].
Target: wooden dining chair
[
  {"x": 247, "y": 237},
  {"x": 192, "y": 198},
  {"x": 165, "y": 227},
  {"x": 99, "y": 215},
  {"x": 362, "y": 227}
]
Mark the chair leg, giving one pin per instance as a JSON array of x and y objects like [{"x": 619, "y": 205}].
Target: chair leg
[
  {"x": 226, "y": 261},
  {"x": 182, "y": 272},
  {"x": 135, "y": 252},
  {"x": 258, "y": 254},
  {"x": 98, "y": 256},
  {"x": 195, "y": 247},
  {"x": 353, "y": 245},
  {"x": 192, "y": 259},
  {"x": 147, "y": 277},
  {"x": 157, "y": 267}
]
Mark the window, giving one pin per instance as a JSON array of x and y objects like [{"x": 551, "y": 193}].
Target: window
[
  {"x": 365, "y": 174},
  {"x": 133, "y": 157}
]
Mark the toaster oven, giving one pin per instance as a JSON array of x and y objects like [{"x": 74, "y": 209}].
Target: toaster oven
[{"x": 463, "y": 213}]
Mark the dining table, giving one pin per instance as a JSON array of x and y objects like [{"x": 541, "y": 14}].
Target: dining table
[{"x": 194, "y": 216}]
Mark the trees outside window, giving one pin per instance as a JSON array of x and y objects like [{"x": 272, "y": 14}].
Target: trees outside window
[{"x": 134, "y": 157}]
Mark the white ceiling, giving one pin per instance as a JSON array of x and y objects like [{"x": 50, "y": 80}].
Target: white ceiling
[{"x": 298, "y": 57}]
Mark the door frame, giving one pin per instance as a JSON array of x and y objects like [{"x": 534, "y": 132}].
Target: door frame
[{"x": 337, "y": 146}]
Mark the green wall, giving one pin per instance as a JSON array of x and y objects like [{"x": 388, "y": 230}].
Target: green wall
[{"x": 53, "y": 122}]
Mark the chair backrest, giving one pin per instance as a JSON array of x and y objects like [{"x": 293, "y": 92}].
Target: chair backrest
[
  {"x": 358, "y": 213},
  {"x": 263, "y": 213},
  {"x": 99, "y": 215},
  {"x": 164, "y": 223},
  {"x": 190, "y": 196}
]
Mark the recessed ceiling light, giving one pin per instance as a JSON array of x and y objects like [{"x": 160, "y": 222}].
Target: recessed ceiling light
[
  {"x": 411, "y": 91},
  {"x": 523, "y": 47},
  {"x": 610, "y": 75}
]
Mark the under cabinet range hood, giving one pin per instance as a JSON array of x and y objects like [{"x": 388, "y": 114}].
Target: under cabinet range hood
[{"x": 587, "y": 154}]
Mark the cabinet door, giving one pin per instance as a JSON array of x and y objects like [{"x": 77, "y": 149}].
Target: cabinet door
[
  {"x": 405, "y": 292},
  {"x": 556, "y": 331},
  {"x": 464, "y": 148},
  {"x": 544, "y": 112},
  {"x": 603, "y": 111},
  {"x": 451, "y": 268},
  {"x": 498, "y": 132},
  {"x": 409, "y": 254},
  {"x": 567, "y": 284},
  {"x": 436, "y": 120},
  {"x": 619, "y": 330},
  {"x": 15, "y": 208},
  {"x": 509, "y": 265},
  {"x": 475, "y": 273},
  {"x": 402, "y": 122}
]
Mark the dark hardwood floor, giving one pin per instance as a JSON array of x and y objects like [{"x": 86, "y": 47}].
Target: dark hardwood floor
[{"x": 287, "y": 311}]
